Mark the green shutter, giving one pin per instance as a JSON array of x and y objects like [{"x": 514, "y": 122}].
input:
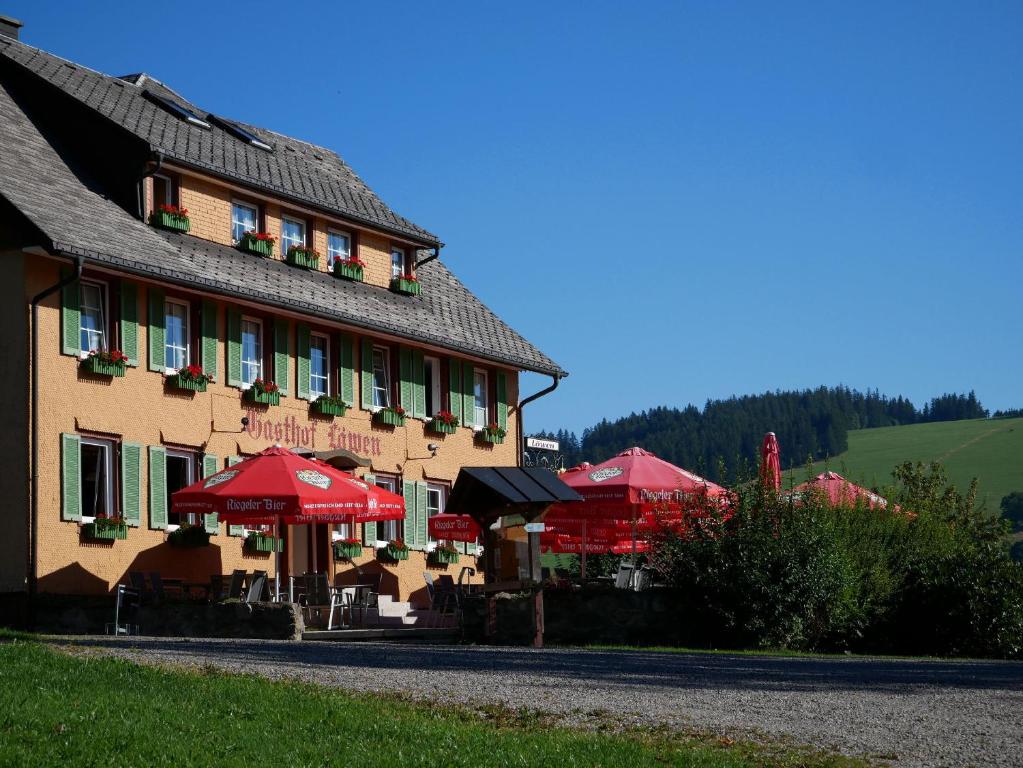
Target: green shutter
[
  {"x": 455, "y": 389},
  {"x": 302, "y": 353},
  {"x": 71, "y": 471},
  {"x": 468, "y": 396},
  {"x": 157, "y": 487},
  {"x": 130, "y": 321},
  {"x": 157, "y": 321},
  {"x": 235, "y": 530},
  {"x": 282, "y": 355},
  {"x": 421, "y": 514},
  {"x": 70, "y": 318},
  {"x": 369, "y": 530},
  {"x": 418, "y": 386},
  {"x": 502, "y": 400},
  {"x": 209, "y": 467},
  {"x": 366, "y": 375},
  {"x": 234, "y": 348},
  {"x": 405, "y": 379},
  {"x": 409, "y": 492},
  {"x": 131, "y": 483},
  {"x": 346, "y": 373},
  {"x": 208, "y": 360}
]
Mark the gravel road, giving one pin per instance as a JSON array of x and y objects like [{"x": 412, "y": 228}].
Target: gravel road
[{"x": 910, "y": 712}]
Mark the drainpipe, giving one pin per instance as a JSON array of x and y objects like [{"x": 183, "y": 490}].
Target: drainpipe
[
  {"x": 140, "y": 193},
  {"x": 33, "y": 526},
  {"x": 523, "y": 403}
]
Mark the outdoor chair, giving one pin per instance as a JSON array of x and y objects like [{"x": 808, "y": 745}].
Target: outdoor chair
[
  {"x": 366, "y": 596},
  {"x": 138, "y": 583},
  {"x": 255, "y": 589},
  {"x": 126, "y": 608},
  {"x": 262, "y": 594},
  {"x": 318, "y": 597},
  {"x": 642, "y": 579},
  {"x": 160, "y": 589},
  {"x": 234, "y": 590},
  {"x": 624, "y": 575},
  {"x": 215, "y": 591},
  {"x": 443, "y": 600}
]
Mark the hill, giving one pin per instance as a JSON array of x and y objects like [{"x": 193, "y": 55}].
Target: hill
[{"x": 989, "y": 449}]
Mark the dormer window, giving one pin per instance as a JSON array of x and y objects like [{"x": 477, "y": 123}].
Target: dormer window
[
  {"x": 92, "y": 315},
  {"x": 244, "y": 218},
  {"x": 292, "y": 233},
  {"x": 397, "y": 262},
  {"x": 163, "y": 191},
  {"x": 339, "y": 247}
]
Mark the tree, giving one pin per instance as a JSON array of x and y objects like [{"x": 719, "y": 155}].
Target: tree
[{"x": 1012, "y": 510}]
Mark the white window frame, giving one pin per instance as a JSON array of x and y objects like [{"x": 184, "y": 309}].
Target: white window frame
[
  {"x": 108, "y": 461},
  {"x": 326, "y": 359},
  {"x": 443, "y": 491},
  {"x": 170, "y": 191},
  {"x": 285, "y": 243},
  {"x": 392, "y": 484},
  {"x": 386, "y": 354},
  {"x": 255, "y": 218},
  {"x": 104, "y": 314},
  {"x": 433, "y": 384},
  {"x": 341, "y": 233},
  {"x": 260, "y": 339},
  {"x": 404, "y": 261},
  {"x": 190, "y": 457},
  {"x": 486, "y": 398},
  {"x": 188, "y": 332}
]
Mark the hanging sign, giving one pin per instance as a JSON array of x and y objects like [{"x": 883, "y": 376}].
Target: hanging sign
[{"x": 542, "y": 444}]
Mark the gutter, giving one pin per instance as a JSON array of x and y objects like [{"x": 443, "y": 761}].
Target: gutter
[
  {"x": 33, "y": 527},
  {"x": 522, "y": 403}
]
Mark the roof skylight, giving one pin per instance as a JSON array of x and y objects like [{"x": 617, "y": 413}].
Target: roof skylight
[
  {"x": 176, "y": 109},
  {"x": 239, "y": 133}
]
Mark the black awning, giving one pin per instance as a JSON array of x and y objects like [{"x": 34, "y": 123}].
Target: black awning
[{"x": 488, "y": 492}]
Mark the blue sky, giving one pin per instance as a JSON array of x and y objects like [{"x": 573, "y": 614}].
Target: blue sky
[{"x": 675, "y": 201}]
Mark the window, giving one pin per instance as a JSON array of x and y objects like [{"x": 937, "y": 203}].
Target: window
[
  {"x": 244, "y": 218},
  {"x": 97, "y": 477},
  {"x": 436, "y": 496},
  {"x": 176, "y": 335},
  {"x": 163, "y": 191},
  {"x": 397, "y": 262},
  {"x": 339, "y": 247},
  {"x": 180, "y": 474},
  {"x": 319, "y": 365},
  {"x": 93, "y": 316},
  {"x": 252, "y": 350},
  {"x": 292, "y": 233},
  {"x": 479, "y": 390},
  {"x": 431, "y": 371},
  {"x": 381, "y": 378},
  {"x": 388, "y": 530}
]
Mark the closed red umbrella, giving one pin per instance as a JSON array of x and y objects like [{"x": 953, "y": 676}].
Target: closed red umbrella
[{"x": 770, "y": 462}]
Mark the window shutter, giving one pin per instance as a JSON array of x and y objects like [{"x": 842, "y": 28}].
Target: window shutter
[
  {"x": 369, "y": 530},
  {"x": 418, "y": 386},
  {"x": 366, "y": 376},
  {"x": 157, "y": 487},
  {"x": 131, "y": 483},
  {"x": 157, "y": 320},
  {"x": 455, "y": 390},
  {"x": 282, "y": 332},
  {"x": 70, "y": 317},
  {"x": 208, "y": 359},
  {"x": 346, "y": 376},
  {"x": 209, "y": 467},
  {"x": 302, "y": 353},
  {"x": 409, "y": 492},
  {"x": 421, "y": 513},
  {"x": 405, "y": 373},
  {"x": 468, "y": 395},
  {"x": 502, "y": 400},
  {"x": 234, "y": 348},
  {"x": 235, "y": 530},
  {"x": 130, "y": 321},
  {"x": 71, "y": 470}
]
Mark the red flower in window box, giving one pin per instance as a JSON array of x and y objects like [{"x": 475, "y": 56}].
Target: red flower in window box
[
  {"x": 447, "y": 417},
  {"x": 195, "y": 373},
  {"x": 263, "y": 237},
  {"x": 110, "y": 357},
  {"x": 173, "y": 210},
  {"x": 353, "y": 261},
  {"x": 265, "y": 386},
  {"x": 312, "y": 252},
  {"x": 410, "y": 278},
  {"x": 170, "y": 217}
]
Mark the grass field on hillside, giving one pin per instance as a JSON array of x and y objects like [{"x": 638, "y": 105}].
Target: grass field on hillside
[{"x": 989, "y": 449}]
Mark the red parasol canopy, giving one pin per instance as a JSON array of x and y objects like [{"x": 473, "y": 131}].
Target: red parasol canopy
[
  {"x": 770, "y": 462},
  {"x": 453, "y": 527},
  {"x": 840, "y": 491}
]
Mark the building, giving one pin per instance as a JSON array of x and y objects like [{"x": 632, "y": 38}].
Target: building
[{"x": 349, "y": 308}]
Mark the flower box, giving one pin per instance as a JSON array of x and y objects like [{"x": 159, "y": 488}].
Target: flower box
[
  {"x": 105, "y": 529},
  {"x": 393, "y": 553},
  {"x": 347, "y": 550},
  {"x": 261, "y": 543},
  {"x": 306, "y": 258},
  {"x": 111, "y": 363},
  {"x": 189, "y": 537},
  {"x": 443, "y": 425},
  {"x": 407, "y": 285},
  {"x": 263, "y": 392},
  {"x": 170, "y": 217},
  {"x": 181, "y": 381},
  {"x": 443, "y": 557},
  {"x": 349, "y": 270},
  {"x": 391, "y": 417},
  {"x": 495, "y": 437},
  {"x": 258, "y": 243},
  {"x": 329, "y": 406}
]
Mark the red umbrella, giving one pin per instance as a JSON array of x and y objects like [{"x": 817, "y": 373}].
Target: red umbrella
[
  {"x": 453, "y": 527},
  {"x": 770, "y": 462},
  {"x": 840, "y": 491}
]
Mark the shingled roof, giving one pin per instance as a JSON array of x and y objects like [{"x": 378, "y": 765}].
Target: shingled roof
[
  {"x": 293, "y": 169},
  {"x": 76, "y": 218}
]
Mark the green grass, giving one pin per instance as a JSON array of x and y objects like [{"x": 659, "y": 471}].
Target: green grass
[
  {"x": 989, "y": 449},
  {"x": 60, "y": 710}
]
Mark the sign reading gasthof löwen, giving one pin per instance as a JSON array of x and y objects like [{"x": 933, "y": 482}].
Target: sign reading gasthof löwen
[{"x": 316, "y": 437}]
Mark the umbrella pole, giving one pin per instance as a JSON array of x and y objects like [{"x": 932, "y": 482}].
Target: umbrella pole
[
  {"x": 277, "y": 550},
  {"x": 632, "y": 573},
  {"x": 582, "y": 564}
]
